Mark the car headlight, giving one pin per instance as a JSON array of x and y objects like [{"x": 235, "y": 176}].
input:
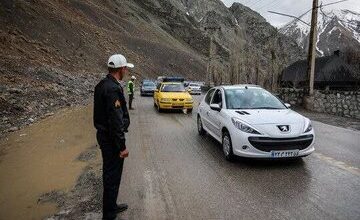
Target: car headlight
[
  {"x": 243, "y": 127},
  {"x": 165, "y": 100},
  {"x": 308, "y": 126}
]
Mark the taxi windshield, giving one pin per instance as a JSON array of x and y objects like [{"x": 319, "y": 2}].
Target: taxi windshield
[{"x": 173, "y": 88}]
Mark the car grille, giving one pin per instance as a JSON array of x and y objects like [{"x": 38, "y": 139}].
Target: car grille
[{"x": 269, "y": 144}]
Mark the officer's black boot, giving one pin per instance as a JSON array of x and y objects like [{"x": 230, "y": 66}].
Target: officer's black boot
[{"x": 121, "y": 207}]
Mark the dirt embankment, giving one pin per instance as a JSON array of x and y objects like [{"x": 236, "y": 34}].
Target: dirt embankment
[{"x": 27, "y": 95}]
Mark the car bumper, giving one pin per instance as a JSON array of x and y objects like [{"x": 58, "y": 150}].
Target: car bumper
[
  {"x": 165, "y": 105},
  {"x": 147, "y": 92},
  {"x": 265, "y": 147}
]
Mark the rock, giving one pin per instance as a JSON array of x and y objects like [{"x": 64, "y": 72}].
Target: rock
[
  {"x": 31, "y": 120},
  {"x": 14, "y": 90},
  {"x": 12, "y": 129},
  {"x": 49, "y": 114}
]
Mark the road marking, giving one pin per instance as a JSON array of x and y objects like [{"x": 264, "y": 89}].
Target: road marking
[{"x": 339, "y": 164}]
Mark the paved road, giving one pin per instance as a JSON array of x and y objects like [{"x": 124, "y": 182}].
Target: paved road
[{"x": 172, "y": 173}]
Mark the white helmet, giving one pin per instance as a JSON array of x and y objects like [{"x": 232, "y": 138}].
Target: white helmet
[
  {"x": 133, "y": 77},
  {"x": 117, "y": 61}
]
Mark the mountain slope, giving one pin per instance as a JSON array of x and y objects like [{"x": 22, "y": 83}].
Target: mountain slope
[
  {"x": 57, "y": 49},
  {"x": 337, "y": 30},
  {"x": 246, "y": 48},
  {"x": 53, "y": 51}
]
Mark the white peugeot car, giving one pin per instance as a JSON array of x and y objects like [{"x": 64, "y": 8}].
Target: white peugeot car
[
  {"x": 251, "y": 122},
  {"x": 195, "y": 89}
]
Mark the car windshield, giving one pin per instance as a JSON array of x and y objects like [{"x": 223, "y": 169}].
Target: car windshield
[
  {"x": 149, "y": 84},
  {"x": 251, "y": 98},
  {"x": 173, "y": 88}
]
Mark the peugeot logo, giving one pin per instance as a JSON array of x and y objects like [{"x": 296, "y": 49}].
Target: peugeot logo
[{"x": 284, "y": 128}]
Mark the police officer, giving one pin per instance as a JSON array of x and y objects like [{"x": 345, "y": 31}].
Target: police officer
[
  {"x": 130, "y": 90},
  {"x": 111, "y": 119}
]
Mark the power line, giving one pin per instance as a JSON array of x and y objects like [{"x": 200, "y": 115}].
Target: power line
[
  {"x": 324, "y": 14},
  {"x": 296, "y": 18},
  {"x": 256, "y": 3},
  {"x": 267, "y": 4},
  {"x": 332, "y": 3},
  {"x": 302, "y": 15}
]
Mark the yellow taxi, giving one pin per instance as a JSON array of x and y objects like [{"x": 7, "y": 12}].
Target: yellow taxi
[{"x": 172, "y": 95}]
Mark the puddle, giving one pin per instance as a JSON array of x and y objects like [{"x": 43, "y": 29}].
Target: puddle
[{"x": 45, "y": 160}]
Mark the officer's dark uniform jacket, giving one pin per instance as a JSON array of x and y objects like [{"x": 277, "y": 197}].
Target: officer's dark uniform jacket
[{"x": 111, "y": 116}]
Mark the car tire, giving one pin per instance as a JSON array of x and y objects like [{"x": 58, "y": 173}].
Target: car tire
[
  {"x": 227, "y": 146},
  {"x": 189, "y": 110},
  {"x": 200, "y": 127}
]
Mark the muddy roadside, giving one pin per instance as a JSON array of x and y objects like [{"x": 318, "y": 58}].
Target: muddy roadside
[{"x": 52, "y": 166}]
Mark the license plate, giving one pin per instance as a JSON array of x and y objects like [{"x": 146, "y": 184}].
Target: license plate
[{"x": 284, "y": 153}]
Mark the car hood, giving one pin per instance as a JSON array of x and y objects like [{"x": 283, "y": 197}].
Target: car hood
[
  {"x": 268, "y": 120},
  {"x": 175, "y": 95}
]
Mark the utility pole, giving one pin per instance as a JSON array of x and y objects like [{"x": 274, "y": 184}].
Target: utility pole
[
  {"x": 312, "y": 48},
  {"x": 212, "y": 31}
]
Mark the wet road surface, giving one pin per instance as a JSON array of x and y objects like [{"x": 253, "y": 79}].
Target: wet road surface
[{"x": 173, "y": 173}]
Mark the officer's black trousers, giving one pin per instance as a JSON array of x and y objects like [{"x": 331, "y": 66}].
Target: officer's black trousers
[
  {"x": 112, "y": 170},
  {"x": 131, "y": 97}
]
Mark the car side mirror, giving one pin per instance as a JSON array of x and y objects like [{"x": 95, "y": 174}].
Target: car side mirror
[
  {"x": 215, "y": 107},
  {"x": 287, "y": 105}
]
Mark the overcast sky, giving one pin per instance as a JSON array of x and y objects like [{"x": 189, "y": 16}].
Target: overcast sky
[{"x": 293, "y": 7}]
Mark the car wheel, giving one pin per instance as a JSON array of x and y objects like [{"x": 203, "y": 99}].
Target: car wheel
[
  {"x": 189, "y": 110},
  {"x": 201, "y": 130},
  {"x": 227, "y": 146}
]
